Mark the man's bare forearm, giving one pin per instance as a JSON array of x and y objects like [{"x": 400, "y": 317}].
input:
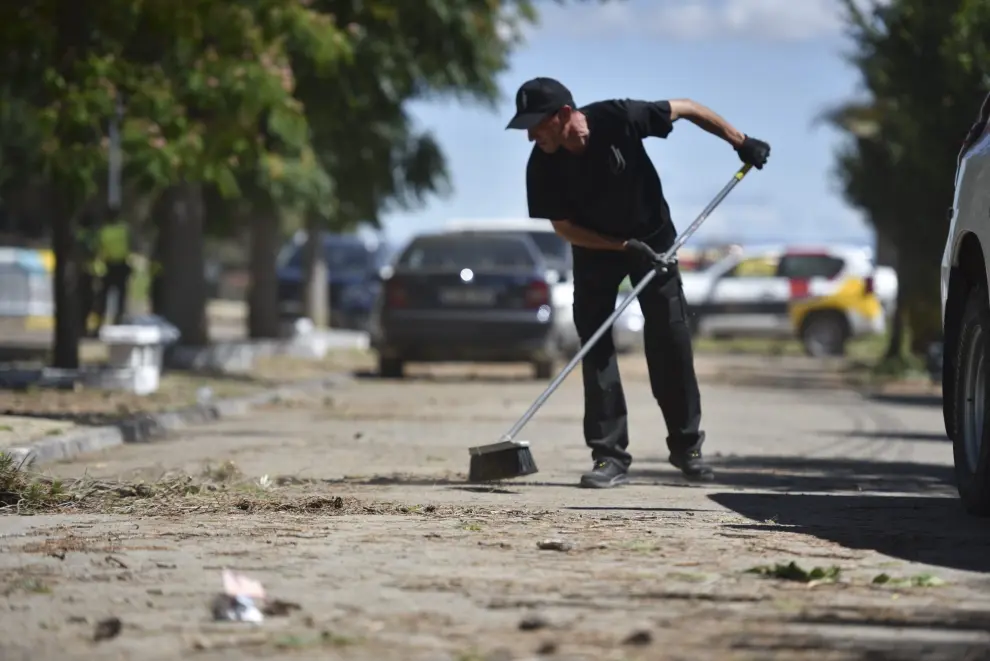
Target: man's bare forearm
[
  {"x": 707, "y": 119},
  {"x": 586, "y": 238}
]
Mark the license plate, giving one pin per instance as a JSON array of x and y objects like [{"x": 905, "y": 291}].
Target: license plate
[{"x": 467, "y": 296}]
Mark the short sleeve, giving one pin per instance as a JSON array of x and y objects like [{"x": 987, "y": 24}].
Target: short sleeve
[
  {"x": 649, "y": 118},
  {"x": 543, "y": 191}
]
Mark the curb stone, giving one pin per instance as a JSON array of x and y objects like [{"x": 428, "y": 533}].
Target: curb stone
[{"x": 147, "y": 427}]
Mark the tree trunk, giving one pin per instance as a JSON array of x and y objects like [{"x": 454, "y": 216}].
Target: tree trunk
[
  {"x": 316, "y": 290},
  {"x": 68, "y": 324},
  {"x": 895, "y": 347},
  {"x": 263, "y": 317},
  {"x": 921, "y": 303},
  {"x": 157, "y": 288},
  {"x": 183, "y": 283}
]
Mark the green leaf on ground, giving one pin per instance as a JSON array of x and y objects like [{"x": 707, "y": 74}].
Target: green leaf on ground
[
  {"x": 793, "y": 572},
  {"x": 917, "y": 581}
]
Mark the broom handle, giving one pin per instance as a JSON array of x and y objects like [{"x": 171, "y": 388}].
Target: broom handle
[{"x": 660, "y": 260}]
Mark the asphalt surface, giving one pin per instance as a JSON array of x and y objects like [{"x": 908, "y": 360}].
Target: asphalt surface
[{"x": 410, "y": 562}]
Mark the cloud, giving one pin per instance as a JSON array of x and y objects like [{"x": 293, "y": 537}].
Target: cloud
[{"x": 695, "y": 20}]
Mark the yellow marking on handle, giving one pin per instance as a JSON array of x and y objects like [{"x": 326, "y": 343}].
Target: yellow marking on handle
[{"x": 743, "y": 170}]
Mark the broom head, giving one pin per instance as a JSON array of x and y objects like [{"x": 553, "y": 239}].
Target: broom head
[{"x": 501, "y": 461}]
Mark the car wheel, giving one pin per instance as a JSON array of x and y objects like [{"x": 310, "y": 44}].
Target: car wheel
[
  {"x": 542, "y": 369},
  {"x": 970, "y": 446},
  {"x": 391, "y": 368},
  {"x": 824, "y": 334}
]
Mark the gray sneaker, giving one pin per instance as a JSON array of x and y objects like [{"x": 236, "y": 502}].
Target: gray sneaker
[
  {"x": 693, "y": 466},
  {"x": 604, "y": 475}
]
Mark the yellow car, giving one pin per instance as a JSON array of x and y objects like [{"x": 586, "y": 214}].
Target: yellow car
[{"x": 823, "y": 296}]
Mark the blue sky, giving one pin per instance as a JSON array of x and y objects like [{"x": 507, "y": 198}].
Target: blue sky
[{"x": 768, "y": 66}]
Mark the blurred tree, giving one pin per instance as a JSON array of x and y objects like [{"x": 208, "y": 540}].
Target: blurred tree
[
  {"x": 209, "y": 101},
  {"x": 254, "y": 101},
  {"x": 238, "y": 96},
  {"x": 403, "y": 52},
  {"x": 923, "y": 67}
]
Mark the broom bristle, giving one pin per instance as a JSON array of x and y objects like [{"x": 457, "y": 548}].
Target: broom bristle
[{"x": 503, "y": 462}]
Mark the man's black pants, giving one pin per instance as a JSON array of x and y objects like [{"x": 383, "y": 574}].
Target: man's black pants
[
  {"x": 667, "y": 344},
  {"x": 114, "y": 279}
]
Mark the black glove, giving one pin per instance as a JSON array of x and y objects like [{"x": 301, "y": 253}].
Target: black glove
[
  {"x": 650, "y": 255},
  {"x": 754, "y": 152},
  {"x": 637, "y": 246}
]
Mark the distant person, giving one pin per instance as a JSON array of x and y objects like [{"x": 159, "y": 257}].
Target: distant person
[
  {"x": 591, "y": 176},
  {"x": 114, "y": 249}
]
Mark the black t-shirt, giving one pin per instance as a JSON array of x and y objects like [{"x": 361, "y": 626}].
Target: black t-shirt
[{"x": 612, "y": 187}]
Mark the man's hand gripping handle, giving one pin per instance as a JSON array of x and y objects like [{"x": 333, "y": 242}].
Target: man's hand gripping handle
[{"x": 659, "y": 262}]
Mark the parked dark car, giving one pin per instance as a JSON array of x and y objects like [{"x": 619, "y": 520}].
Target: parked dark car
[
  {"x": 464, "y": 297},
  {"x": 352, "y": 263}
]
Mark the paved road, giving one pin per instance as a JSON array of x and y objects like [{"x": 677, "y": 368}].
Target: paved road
[{"x": 368, "y": 525}]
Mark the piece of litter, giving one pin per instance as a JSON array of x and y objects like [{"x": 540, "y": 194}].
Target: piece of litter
[
  {"x": 554, "y": 545},
  {"x": 533, "y": 622},
  {"x": 107, "y": 629},
  {"x": 236, "y": 609},
  {"x": 641, "y": 637},
  {"x": 239, "y": 585},
  {"x": 237, "y": 602}
]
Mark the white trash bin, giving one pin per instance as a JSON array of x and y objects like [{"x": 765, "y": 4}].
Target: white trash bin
[{"x": 136, "y": 354}]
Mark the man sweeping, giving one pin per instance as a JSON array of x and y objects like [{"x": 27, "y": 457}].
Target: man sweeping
[{"x": 590, "y": 175}]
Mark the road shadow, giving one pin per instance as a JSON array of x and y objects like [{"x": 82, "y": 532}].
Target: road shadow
[
  {"x": 893, "y": 435},
  {"x": 929, "y": 529},
  {"x": 777, "y": 473},
  {"x": 919, "y": 399}
]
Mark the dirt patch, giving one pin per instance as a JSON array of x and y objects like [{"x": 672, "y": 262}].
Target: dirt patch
[
  {"x": 102, "y": 407},
  {"x": 215, "y": 490}
]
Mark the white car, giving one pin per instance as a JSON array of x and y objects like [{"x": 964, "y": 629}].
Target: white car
[
  {"x": 823, "y": 295},
  {"x": 628, "y": 328},
  {"x": 966, "y": 319}
]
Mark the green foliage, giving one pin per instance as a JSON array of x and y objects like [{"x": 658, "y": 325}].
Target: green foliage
[
  {"x": 921, "y": 64},
  {"x": 208, "y": 88},
  {"x": 305, "y": 102}
]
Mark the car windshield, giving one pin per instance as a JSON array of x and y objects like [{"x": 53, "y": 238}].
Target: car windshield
[
  {"x": 474, "y": 252},
  {"x": 339, "y": 257},
  {"x": 809, "y": 266},
  {"x": 552, "y": 246}
]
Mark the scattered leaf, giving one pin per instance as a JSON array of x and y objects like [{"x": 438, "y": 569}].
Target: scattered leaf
[{"x": 793, "y": 572}]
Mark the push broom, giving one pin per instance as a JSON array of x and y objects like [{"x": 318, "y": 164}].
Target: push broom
[{"x": 509, "y": 458}]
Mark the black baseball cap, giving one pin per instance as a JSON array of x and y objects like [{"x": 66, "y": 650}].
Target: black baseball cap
[{"x": 537, "y": 99}]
